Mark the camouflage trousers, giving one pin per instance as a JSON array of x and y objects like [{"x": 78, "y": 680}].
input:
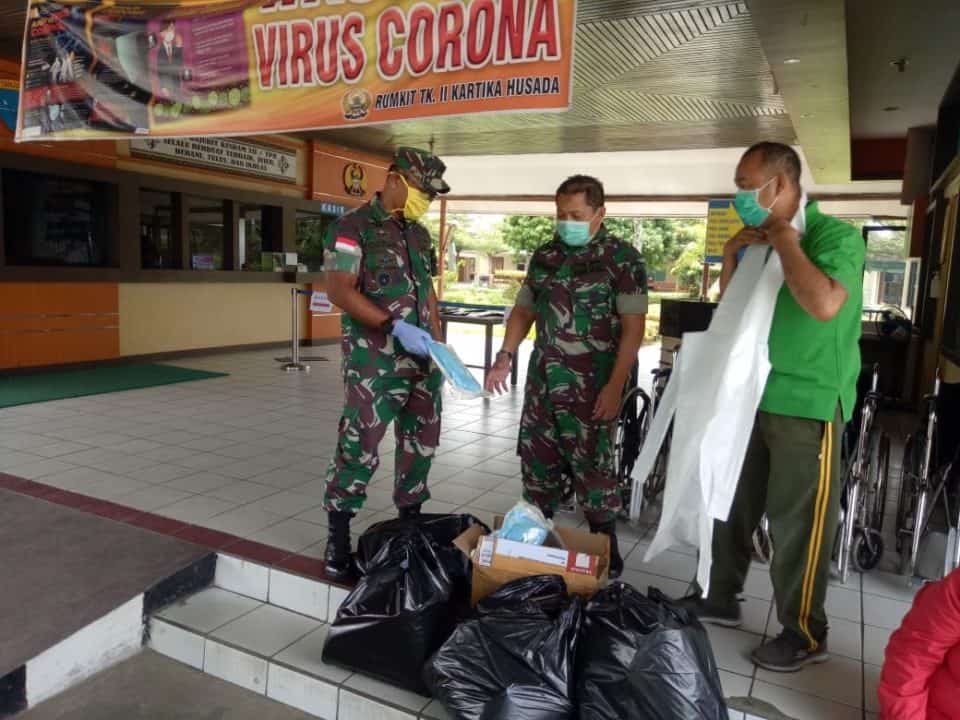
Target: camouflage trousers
[
  {"x": 560, "y": 439},
  {"x": 413, "y": 404}
]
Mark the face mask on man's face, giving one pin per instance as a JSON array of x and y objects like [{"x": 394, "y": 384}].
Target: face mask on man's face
[
  {"x": 748, "y": 207},
  {"x": 418, "y": 202},
  {"x": 575, "y": 233}
]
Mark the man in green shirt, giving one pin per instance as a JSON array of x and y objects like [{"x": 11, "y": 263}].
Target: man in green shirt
[{"x": 792, "y": 470}]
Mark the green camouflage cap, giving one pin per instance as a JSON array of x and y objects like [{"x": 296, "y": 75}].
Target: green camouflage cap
[{"x": 424, "y": 168}]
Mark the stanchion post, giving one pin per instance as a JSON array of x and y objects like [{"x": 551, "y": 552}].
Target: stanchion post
[{"x": 295, "y": 365}]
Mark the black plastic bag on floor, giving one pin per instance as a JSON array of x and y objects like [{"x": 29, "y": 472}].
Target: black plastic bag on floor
[
  {"x": 640, "y": 657},
  {"x": 514, "y": 660},
  {"x": 406, "y": 604},
  {"x": 440, "y": 530}
]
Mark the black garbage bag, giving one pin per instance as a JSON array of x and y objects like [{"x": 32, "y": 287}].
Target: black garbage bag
[
  {"x": 641, "y": 657},
  {"x": 440, "y": 530},
  {"x": 404, "y": 607},
  {"x": 514, "y": 660}
]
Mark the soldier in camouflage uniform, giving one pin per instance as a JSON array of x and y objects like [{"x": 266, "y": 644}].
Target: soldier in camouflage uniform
[
  {"x": 587, "y": 293},
  {"x": 379, "y": 263}
]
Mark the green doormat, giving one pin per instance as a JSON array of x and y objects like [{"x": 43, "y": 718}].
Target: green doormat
[{"x": 42, "y": 387}]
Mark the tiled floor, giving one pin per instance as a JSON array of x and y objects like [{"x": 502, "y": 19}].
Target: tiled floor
[{"x": 246, "y": 455}]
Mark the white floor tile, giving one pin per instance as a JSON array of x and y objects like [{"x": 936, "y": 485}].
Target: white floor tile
[
  {"x": 871, "y": 681},
  {"x": 199, "y": 482},
  {"x": 154, "y": 497},
  {"x": 287, "y": 503},
  {"x": 235, "y": 666},
  {"x": 884, "y": 612},
  {"x": 306, "y": 656},
  {"x": 161, "y": 473},
  {"x": 242, "y": 577},
  {"x": 459, "y": 495},
  {"x": 668, "y": 564},
  {"x": 497, "y": 503},
  {"x": 303, "y": 595},
  {"x": 875, "y": 641},
  {"x": 303, "y": 692},
  {"x": 242, "y": 521},
  {"x": 208, "y": 609},
  {"x": 242, "y": 492},
  {"x": 266, "y": 630},
  {"x": 844, "y": 604},
  {"x": 387, "y": 693},
  {"x": 196, "y": 509},
  {"x": 803, "y": 706},
  {"x": 839, "y": 679},
  {"x": 895, "y": 587},
  {"x": 358, "y": 707},
  {"x": 337, "y": 596},
  {"x": 182, "y": 645},
  {"x": 732, "y": 648}
]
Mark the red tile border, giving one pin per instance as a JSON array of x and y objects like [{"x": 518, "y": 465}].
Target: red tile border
[
  {"x": 35, "y": 489},
  {"x": 214, "y": 539},
  {"x": 112, "y": 511},
  {"x": 70, "y": 499},
  {"x": 205, "y": 536},
  {"x": 9, "y": 482},
  {"x": 157, "y": 523},
  {"x": 258, "y": 552},
  {"x": 303, "y": 565}
]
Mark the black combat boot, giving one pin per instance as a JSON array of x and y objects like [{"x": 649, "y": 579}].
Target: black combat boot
[
  {"x": 616, "y": 562},
  {"x": 340, "y": 566},
  {"x": 410, "y": 512}
]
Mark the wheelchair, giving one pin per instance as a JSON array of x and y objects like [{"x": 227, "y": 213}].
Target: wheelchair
[
  {"x": 866, "y": 463},
  {"x": 929, "y": 498}
]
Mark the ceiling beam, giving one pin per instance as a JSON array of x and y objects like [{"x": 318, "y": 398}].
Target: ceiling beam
[{"x": 815, "y": 89}]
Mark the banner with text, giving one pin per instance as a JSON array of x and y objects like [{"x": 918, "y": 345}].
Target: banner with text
[
  {"x": 723, "y": 223},
  {"x": 95, "y": 69}
]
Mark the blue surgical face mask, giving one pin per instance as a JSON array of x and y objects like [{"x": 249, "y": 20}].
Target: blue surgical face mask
[
  {"x": 575, "y": 233},
  {"x": 748, "y": 207}
]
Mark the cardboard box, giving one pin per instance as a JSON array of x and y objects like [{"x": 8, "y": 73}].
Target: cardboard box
[{"x": 583, "y": 562}]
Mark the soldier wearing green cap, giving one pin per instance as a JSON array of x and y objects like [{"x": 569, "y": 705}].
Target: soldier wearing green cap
[{"x": 378, "y": 261}]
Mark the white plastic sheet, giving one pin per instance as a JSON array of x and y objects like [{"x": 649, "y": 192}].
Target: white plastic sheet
[{"x": 712, "y": 397}]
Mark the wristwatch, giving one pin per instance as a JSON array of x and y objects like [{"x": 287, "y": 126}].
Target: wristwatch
[{"x": 505, "y": 352}]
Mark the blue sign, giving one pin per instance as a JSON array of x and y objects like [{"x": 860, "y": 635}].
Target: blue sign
[
  {"x": 9, "y": 98},
  {"x": 333, "y": 209}
]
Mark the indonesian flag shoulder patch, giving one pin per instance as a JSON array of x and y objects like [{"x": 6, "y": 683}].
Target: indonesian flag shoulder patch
[{"x": 347, "y": 245}]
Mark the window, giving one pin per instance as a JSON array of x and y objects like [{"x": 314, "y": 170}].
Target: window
[
  {"x": 250, "y": 232},
  {"x": 157, "y": 247},
  {"x": 310, "y": 230},
  {"x": 885, "y": 279},
  {"x": 52, "y": 220},
  {"x": 207, "y": 238}
]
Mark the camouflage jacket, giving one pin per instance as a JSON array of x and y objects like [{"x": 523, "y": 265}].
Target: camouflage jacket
[
  {"x": 579, "y": 295},
  {"x": 392, "y": 262}
]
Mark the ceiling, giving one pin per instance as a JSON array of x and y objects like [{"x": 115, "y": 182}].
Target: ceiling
[
  {"x": 653, "y": 75},
  {"x": 879, "y": 32},
  {"x": 649, "y": 75}
]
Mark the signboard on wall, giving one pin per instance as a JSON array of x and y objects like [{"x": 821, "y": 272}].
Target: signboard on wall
[
  {"x": 97, "y": 69},
  {"x": 722, "y": 224},
  {"x": 222, "y": 154}
]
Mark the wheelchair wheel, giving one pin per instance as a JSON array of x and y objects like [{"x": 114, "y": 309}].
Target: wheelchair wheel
[
  {"x": 906, "y": 500},
  {"x": 867, "y": 550},
  {"x": 876, "y": 500},
  {"x": 762, "y": 547}
]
